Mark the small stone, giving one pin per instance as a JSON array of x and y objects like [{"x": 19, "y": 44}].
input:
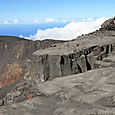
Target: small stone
[{"x": 1, "y": 102}]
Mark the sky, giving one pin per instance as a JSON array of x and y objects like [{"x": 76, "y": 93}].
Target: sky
[
  {"x": 69, "y": 14},
  {"x": 43, "y": 9}
]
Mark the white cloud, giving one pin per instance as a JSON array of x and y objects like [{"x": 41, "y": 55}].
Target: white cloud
[
  {"x": 84, "y": 19},
  {"x": 49, "y": 20},
  {"x": 16, "y": 21},
  {"x": 70, "y": 31},
  {"x": 64, "y": 20},
  {"x": 87, "y": 19},
  {"x": 6, "y": 22},
  {"x": 21, "y": 36},
  {"x": 35, "y": 21}
]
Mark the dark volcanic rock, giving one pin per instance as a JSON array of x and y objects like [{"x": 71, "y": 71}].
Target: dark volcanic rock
[
  {"x": 14, "y": 53},
  {"x": 49, "y": 65}
]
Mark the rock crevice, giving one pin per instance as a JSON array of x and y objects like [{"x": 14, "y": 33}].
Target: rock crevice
[{"x": 47, "y": 67}]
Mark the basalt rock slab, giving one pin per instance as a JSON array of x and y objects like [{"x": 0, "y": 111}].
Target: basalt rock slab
[{"x": 49, "y": 66}]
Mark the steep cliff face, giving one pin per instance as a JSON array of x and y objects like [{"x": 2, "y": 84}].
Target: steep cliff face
[
  {"x": 14, "y": 53},
  {"x": 73, "y": 57}
]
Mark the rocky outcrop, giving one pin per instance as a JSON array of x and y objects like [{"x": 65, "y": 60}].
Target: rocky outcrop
[
  {"x": 76, "y": 56},
  {"x": 14, "y": 53},
  {"x": 45, "y": 67}
]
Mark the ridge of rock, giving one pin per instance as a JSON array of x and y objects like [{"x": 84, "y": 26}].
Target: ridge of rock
[{"x": 76, "y": 56}]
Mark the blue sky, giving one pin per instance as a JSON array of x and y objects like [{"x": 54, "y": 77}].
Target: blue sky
[
  {"x": 55, "y": 9},
  {"x": 53, "y": 19}
]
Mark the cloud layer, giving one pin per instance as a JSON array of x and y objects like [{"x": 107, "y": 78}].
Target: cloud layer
[
  {"x": 70, "y": 31},
  {"x": 50, "y": 20},
  {"x": 16, "y": 21},
  {"x": 6, "y": 22}
]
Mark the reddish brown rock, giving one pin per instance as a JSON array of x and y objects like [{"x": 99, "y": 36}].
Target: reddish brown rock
[{"x": 14, "y": 53}]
